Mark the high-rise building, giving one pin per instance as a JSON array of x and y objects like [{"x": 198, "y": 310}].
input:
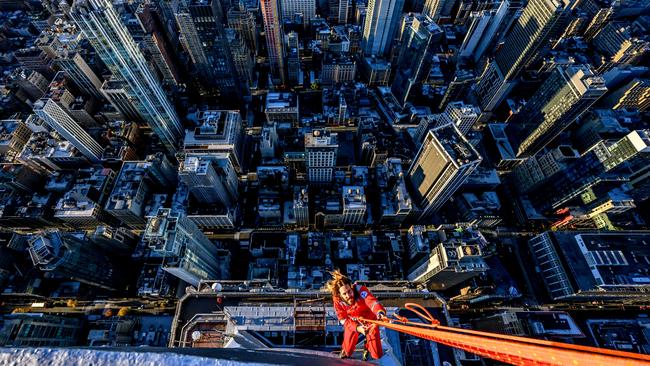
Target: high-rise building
[
  {"x": 210, "y": 181},
  {"x": 81, "y": 206},
  {"x": 301, "y": 206},
  {"x": 382, "y": 21},
  {"x": 634, "y": 95},
  {"x": 134, "y": 187},
  {"x": 269, "y": 141},
  {"x": 321, "y": 147},
  {"x": 436, "y": 9},
  {"x": 599, "y": 19},
  {"x": 343, "y": 11},
  {"x": 273, "y": 30},
  {"x": 204, "y": 38},
  {"x": 242, "y": 58},
  {"x": 293, "y": 59},
  {"x": 337, "y": 69},
  {"x": 282, "y": 107},
  {"x": 535, "y": 170},
  {"x": 459, "y": 87},
  {"x": 53, "y": 109},
  {"x": 46, "y": 152},
  {"x": 445, "y": 160},
  {"x": 442, "y": 259},
  {"x": 306, "y": 8},
  {"x": 101, "y": 24},
  {"x": 376, "y": 71},
  {"x": 605, "y": 166},
  {"x": 243, "y": 22},
  {"x": 218, "y": 132},
  {"x": 68, "y": 256},
  {"x": 189, "y": 254},
  {"x": 633, "y": 145},
  {"x": 115, "y": 92},
  {"x": 62, "y": 43},
  {"x": 584, "y": 265},
  {"x": 354, "y": 205},
  {"x": 418, "y": 44},
  {"x": 338, "y": 11},
  {"x": 482, "y": 31},
  {"x": 151, "y": 18},
  {"x": 38, "y": 329},
  {"x": 396, "y": 203},
  {"x": 562, "y": 98},
  {"x": 540, "y": 21},
  {"x": 460, "y": 114}
]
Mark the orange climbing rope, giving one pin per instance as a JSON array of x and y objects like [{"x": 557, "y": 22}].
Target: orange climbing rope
[{"x": 509, "y": 349}]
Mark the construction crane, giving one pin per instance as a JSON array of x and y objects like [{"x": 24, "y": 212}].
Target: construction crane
[{"x": 509, "y": 349}]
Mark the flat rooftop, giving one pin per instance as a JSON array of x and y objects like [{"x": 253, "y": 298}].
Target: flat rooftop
[
  {"x": 321, "y": 138},
  {"x": 455, "y": 144},
  {"x": 606, "y": 260},
  {"x": 275, "y": 100}
]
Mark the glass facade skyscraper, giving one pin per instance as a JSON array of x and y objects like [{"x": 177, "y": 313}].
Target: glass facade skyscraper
[{"x": 101, "y": 24}]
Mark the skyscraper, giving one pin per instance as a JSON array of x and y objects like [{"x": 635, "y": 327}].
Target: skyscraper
[
  {"x": 539, "y": 22},
  {"x": 68, "y": 256},
  {"x": 52, "y": 108},
  {"x": 204, "y": 38},
  {"x": 381, "y": 23},
  {"x": 418, "y": 42},
  {"x": 151, "y": 18},
  {"x": 605, "y": 166},
  {"x": 442, "y": 260},
  {"x": 462, "y": 115},
  {"x": 634, "y": 95},
  {"x": 321, "y": 147},
  {"x": 436, "y": 9},
  {"x": 242, "y": 20},
  {"x": 307, "y": 8},
  {"x": 189, "y": 254},
  {"x": 301, "y": 206},
  {"x": 482, "y": 30},
  {"x": 101, "y": 24},
  {"x": 443, "y": 163},
  {"x": 115, "y": 92},
  {"x": 354, "y": 205},
  {"x": 62, "y": 43},
  {"x": 272, "y": 15},
  {"x": 218, "y": 132},
  {"x": 293, "y": 58},
  {"x": 210, "y": 182},
  {"x": 561, "y": 99},
  {"x": 134, "y": 186}
]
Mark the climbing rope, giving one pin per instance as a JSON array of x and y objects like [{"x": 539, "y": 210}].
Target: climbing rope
[{"x": 505, "y": 348}]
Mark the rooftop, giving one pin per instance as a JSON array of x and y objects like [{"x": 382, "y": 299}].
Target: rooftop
[
  {"x": 215, "y": 127},
  {"x": 321, "y": 138},
  {"x": 44, "y": 144},
  {"x": 377, "y": 63},
  {"x": 277, "y": 100},
  {"x": 606, "y": 261},
  {"x": 354, "y": 198},
  {"x": 455, "y": 144}
]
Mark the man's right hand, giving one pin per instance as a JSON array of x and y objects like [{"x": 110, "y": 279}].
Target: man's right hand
[{"x": 361, "y": 329}]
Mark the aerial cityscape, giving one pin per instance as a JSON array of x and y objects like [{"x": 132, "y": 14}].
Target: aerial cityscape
[{"x": 325, "y": 182}]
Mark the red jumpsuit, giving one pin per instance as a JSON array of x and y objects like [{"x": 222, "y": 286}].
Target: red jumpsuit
[{"x": 365, "y": 306}]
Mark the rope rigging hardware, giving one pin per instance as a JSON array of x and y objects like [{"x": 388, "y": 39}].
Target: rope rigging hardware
[{"x": 514, "y": 350}]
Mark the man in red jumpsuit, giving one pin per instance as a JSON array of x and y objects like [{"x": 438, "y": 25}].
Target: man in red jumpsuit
[{"x": 355, "y": 301}]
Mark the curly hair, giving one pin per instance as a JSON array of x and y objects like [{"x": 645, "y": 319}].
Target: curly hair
[{"x": 338, "y": 280}]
